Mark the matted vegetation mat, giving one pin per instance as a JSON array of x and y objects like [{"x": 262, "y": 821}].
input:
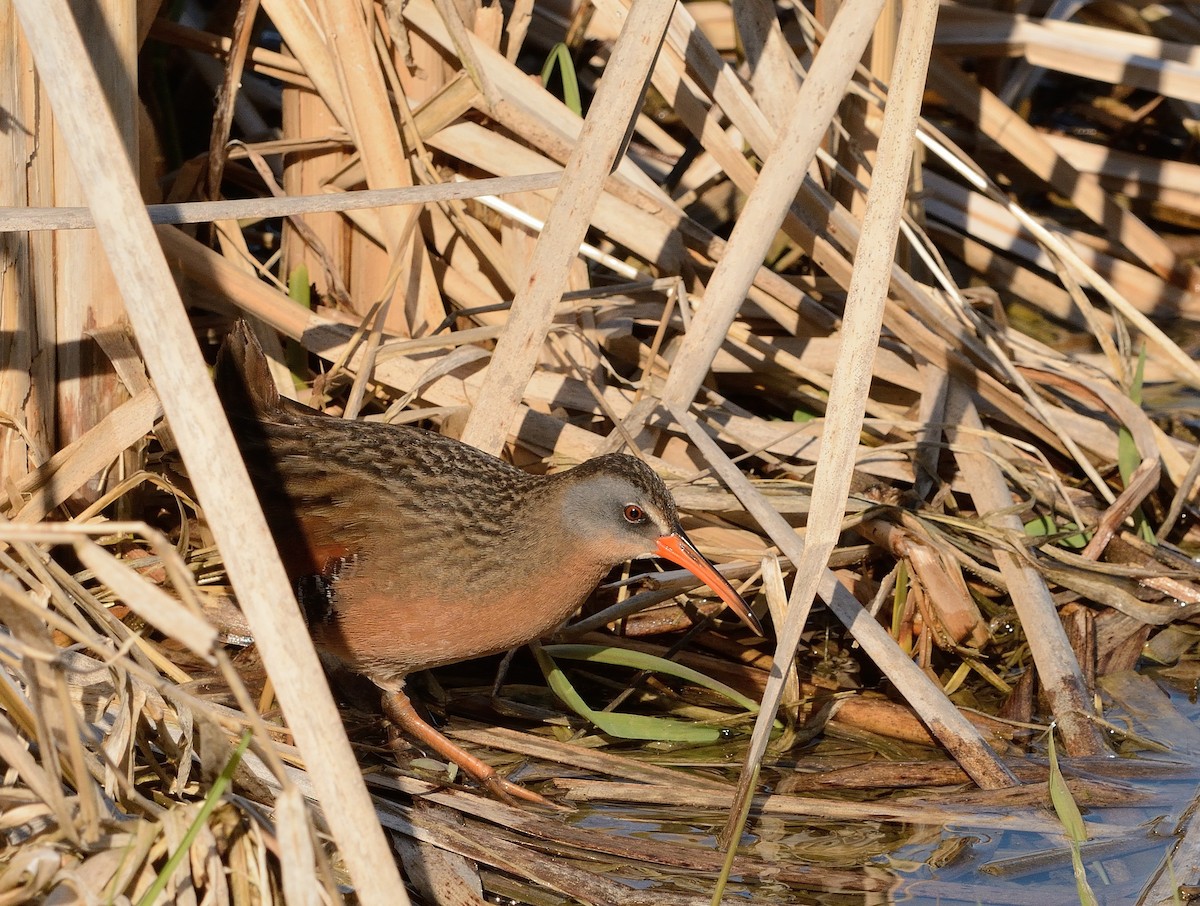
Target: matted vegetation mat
[{"x": 1010, "y": 716}]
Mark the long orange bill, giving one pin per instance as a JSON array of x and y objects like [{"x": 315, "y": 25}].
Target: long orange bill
[{"x": 677, "y": 548}]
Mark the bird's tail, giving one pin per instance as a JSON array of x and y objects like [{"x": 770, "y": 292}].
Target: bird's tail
[{"x": 242, "y": 377}]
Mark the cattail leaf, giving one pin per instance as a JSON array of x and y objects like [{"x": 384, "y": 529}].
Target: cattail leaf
[
  {"x": 622, "y": 726},
  {"x": 639, "y": 660}
]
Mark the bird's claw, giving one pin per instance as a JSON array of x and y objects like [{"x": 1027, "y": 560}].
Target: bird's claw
[{"x": 508, "y": 792}]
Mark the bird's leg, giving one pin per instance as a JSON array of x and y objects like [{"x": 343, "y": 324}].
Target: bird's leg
[
  {"x": 400, "y": 711},
  {"x": 502, "y": 671}
]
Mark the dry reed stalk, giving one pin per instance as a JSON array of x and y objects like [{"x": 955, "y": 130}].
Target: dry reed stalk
[
  {"x": 84, "y": 295},
  {"x": 203, "y": 437},
  {"x": 574, "y": 756},
  {"x": 261, "y": 60},
  {"x": 599, "y": 145},
  {"x": 1138, "y": 176},
  {"x": 556, "y": 837},
  {"x": 1002, "y": 125},
  {"x": 864, "y": 304},
  {"x": 69, "y": 218},
  {"x": 27, "y": 393},
  {"x": 1057, "y": 664},
  {"x": 64, "y": 474},
  {"x": 951, "y": 728},
  {"x": 983, "y": 219},
  {"x": 768, "y": 203},
  {"x": 1104, "y": 54},
  {"x": 305, "y": 114},
  {"x": 1023, "y": 819}
]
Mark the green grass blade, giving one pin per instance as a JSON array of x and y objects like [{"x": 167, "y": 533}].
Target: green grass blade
[
  {"x": 560, "y": 57},
  {"x": 1044, "y": 527},
  {"x": 899, "y": 597},
  {"x": 210, "y": 803},
  {"x": 1072, "y": 821},
  {"x": 735, "y": 837},
  {"x": 1128, "y": 457},
  {"x": 638, "y": 660},
  {"x": 299, "y": 289},
  {"x": 622, "y": 726}
]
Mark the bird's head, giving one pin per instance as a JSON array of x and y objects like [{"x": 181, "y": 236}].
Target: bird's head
[{"x": 618, "y": 507}]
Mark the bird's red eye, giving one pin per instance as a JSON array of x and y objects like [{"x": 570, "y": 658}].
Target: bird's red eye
[{"x": 634, "y": 513}]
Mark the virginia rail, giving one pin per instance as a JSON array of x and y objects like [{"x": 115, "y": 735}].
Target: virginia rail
[{"x": 410, "y": 550}]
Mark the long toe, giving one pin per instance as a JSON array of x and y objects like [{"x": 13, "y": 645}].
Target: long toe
[
  {"x": 507, "y": 791},
  {"x": 400, "y": 711}
]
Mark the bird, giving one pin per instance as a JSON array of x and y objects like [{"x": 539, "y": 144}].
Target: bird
[{"x": 409, "y": 549}]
